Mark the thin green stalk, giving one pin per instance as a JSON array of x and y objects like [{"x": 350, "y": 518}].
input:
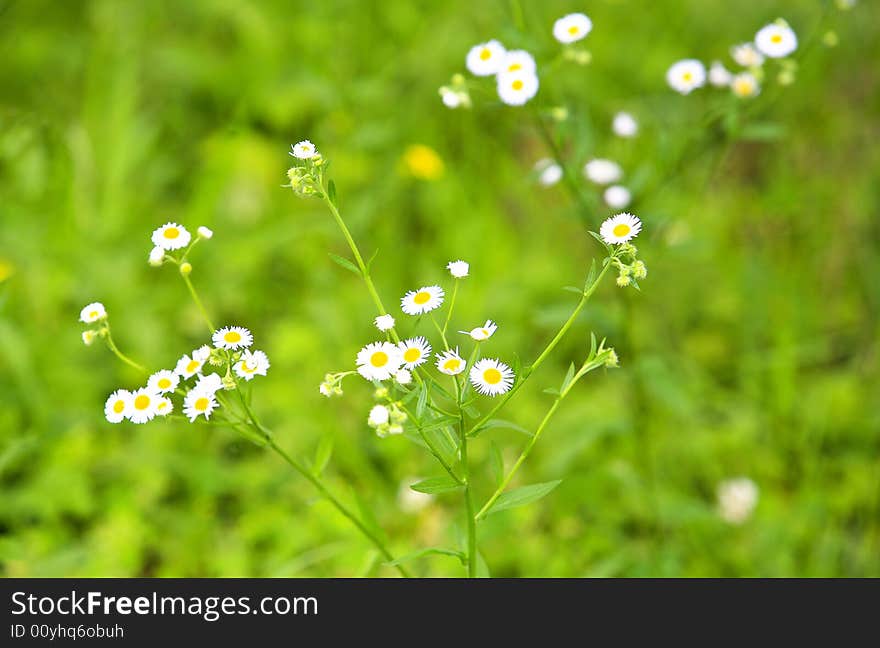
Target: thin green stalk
[
  {"x": 451, "y": 306},
  {"x": 468, "y": 495},
  {"x": 440, "y": 331},
  {"x": 119, "y": 354},
  {"x": 432, "y": 447},
  {"x": 195, "y": 296}
]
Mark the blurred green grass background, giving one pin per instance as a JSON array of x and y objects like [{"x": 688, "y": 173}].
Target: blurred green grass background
[{"x": 752, "y": 349}]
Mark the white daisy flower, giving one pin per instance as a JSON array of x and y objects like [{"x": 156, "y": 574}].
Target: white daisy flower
[
  {"x": 403, "y": 377},
  {"x": 188, "y": 366},
  {"x": 304, "y": 150},
  {"x": 745, "y": 85},
  {"x": 143, "y": 405},
  {"x": 737, "y": 499},
  {"x": 118, "y": 405},
  {"x": 210, "y": 384},
  {"x": 549, "y": 172},
  {"x": 485, "y": 59},
  {"x": 92, "y": 313},
  {"x": 602, "y": 171},
  {"x": 325, "y": 390},
  {"x": 384, "y": 322},
  {"x": 450, "y": 98},
  {"x": 156, "y": 257},
  {"x": 776, "y": 40},
  {"x": 204, "y": 232},
  {"x": 686, "y": 75},
  {"x": 719, "y": 76},
  {"x": 163, "y": 381},
  {"x": 458, "y": 269},
  {"x": 202, "y": 353},
  {"x": 491, "y": 377},
  {"x": 232, "y": 337},
  {"x": 746, "y": 55},
  {"x": 624, "y": 125},
  {"x": 414, "y": 352},
  {"x": 518, "y": 61},
  {"x": 617, "y": 196},
  {"x": 516, "y": 88},
  {"x": 421, "y": 301},
  {"x": 252, "y": 364},
  {"x": 171, "y": 236},
  {"x": 197, "y": 403},
  {"x": 88, "y": 337},
  {"x": 164, "y": 407},
  {"x": 379, "y": 415},
  {"x": 379, "y": 361},
  {"x": 483, "y": 332},
  {"x": 620, "y": 228},
  {"x": 450, "y": 363},
  {"x": 572, "y": 28}
]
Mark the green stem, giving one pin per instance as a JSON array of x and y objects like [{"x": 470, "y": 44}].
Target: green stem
[
  {"x": 195, "y": 296},
  {"x": 432, "y": 447},
  {"x": 119, "y": 354},
  {"x": 441, "y": 332},
  {"x": 468, "y": 495},
  {"x": 449, "y": 310},
  {"x": 320, "y": 486}
]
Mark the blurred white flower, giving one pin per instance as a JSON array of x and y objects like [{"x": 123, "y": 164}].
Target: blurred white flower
[
  {"x": 625, "y": 125},
  {"x": 776, "y": 40},
  {"x": 303, "y": 150},
  {"x": 602, "y": 171},
  {"x": 411, "y": 501},
  {"x": 572, "y": 28},
  {"x": 617, "y": 197},
  {"x": 516, "y": 88},
  {"x": 686, "y": 75},
  {"x": 384, "y": 322},
  {"x": 719, "y": 76},
  {"x": 205, "y": 232},
  {"x": 458, "y": 269},
  {"x": 518, "y": 61},
  {"x": 737, "y": 499},
  {"x": 93, "y": 312},
  {"x": 378, "y": 416},
  {"x": 485, "y": 59},
  {"x": 450, "y": 98},
  {"x": 746, "y": 55},
  {"x": 403, "y": 377},
  {"x": 89, "y": 336},
  {"x": 549, "y": 172},
  {"x": 157, "y": 256},
  {"x": 745, "y": 85}
]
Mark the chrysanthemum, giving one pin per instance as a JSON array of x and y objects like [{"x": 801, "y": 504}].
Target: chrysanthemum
[
  {"x": 572, "y": 28},
  {"x": 423, "y": 300},
  {"x": 414, "y": 352},
  {"x": 745, "y": 85},
  {"x": 458, "y": 269},
  {"x": 209, "y": 384},
  {"x": 198, "y": 403},
  {"x": 252, "y": 364},
  {"x": 403, "y": 377},
  {"x": 163, "y": 381},
  {"x": 156, "y": 257},
  {"x": 602, "y": 171},
  {"x": 483, "y": 332},
  {"x": 232, "y": 337},
  {"x": 171, "y": 236},
  {"x": 304, "y": 150},
  {"x": 776, "y": 40},
  {"x": 188, "y": 366},
  {"x": 450, "y": 363},
  {"x": 719, "y": 76},
  {"x": 617, "y": 196},
  {"x": 205, "y": 232},
  {"x": 516, "y": 88},
  {"x": 92, "y": 313},
  {"x": 118, "y": 405},
  {"x": 686, "y": 75},
  {"x": 379, "y": 360},
  {"x": 384, "y": 322},
  {"x": 625, "y": 125},
  {"x": 746, "y": 55},
  {"x": 143, "y": 405},
  {"x": 379, "y": 415},
  {"x": 518, "y": 61},
  {"x": 164, "y": 407},
  {"x": 485, "y": 59},
  {"x": 620, "y": 228},
  {"x": 491, "y": 377},
  {"x": 549, "y": 172}
]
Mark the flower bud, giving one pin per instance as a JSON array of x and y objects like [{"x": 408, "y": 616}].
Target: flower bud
[
  {"x": 89, "y": 336},
  {"x": 186, "y": 268}
]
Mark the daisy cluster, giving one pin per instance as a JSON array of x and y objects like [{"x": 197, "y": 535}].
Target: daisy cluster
[
  {"x": 403, "y": 361},
  {"x": 774, "y": 41},
  {"x": 305, "y": 175},
  {"x": 172, "y": 243},
  {"x": 619, "y": 230},
  {"x": 515, "y": 71},
  {"x": 230, "y": 350}
]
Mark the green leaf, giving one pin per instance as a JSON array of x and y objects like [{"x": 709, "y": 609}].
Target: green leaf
[
  {"x": 331, "y": 193},
  {"x": 762, "y": 131},
  {"x": 482, "y": 567},
  {"x": 552, "y": 391},
  {"x": 436, "y": 485},
  {"x": 345, "y": 263},
  {"x": 567, "y": 380},
  {"x": 322, "y": 454},
  {"x": 593, "y": 346},
  {"x": 496, "y": 463},
  {"x": 501, "y": 423},
  {"x": 368, "y": 518},
  {"x": 425, "y": 552},
  {"x": 422, "y": 402},
  {"x": 573, "y": 289},
  {"x": 445, "y": 443},
  {"x": 591, "y": 276},
  {"x": 522, "y": 496},
  {"x": 601, "y": 241},
  {"x": 372, "y": 258}
]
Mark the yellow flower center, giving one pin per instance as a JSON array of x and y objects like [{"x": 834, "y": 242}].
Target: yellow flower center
[
  {"x": 485, "y": 332},
  {"x": 776, "y": 38},
  {"x": 232, "y": 337},
  {"x": 379, "y": 359},
  {"x": 485, "y": 54},
  {"x": 687, "y": 76},
  {"x": 412, "y": 354},
  {"x": 118, "y": 406},
  {"x": 201, "y": 404},
  {"x": 621, "y": 229},
  {"x": 142, "y": 402},
  {"x": 192, "y": 366},
  {"x": 422, "y": 297},
  {"x": 492, "y": 376},
  {"x": 517, "y": 84},
  {"x": 246, "y": 369},
  {"x": 93, "y": 314},
  {"x": 164, "y": 383},
  {"x": 171, "y": 233},
  {"x": 161, "y": 406},
  {"x": 743, "y": 87},
  {"x": 452, "y": 364},
  {"x": 514, "y": 67},
  {"x": 573, "y": 30}
]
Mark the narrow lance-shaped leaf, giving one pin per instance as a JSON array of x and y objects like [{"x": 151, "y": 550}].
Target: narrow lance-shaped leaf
[
  {"x": 522, "y": 496},
  {"x": 435, "y": 485},
  {"x": 345, "y": 263}
]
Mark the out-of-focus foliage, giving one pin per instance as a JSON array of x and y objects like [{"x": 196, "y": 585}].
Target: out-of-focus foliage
[{"x": 751, "y": 350}]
